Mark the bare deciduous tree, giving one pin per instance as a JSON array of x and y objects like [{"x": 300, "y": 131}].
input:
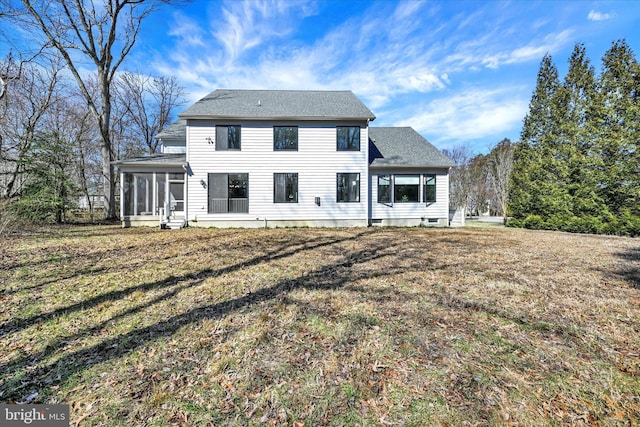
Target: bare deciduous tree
[
  {"x": 147, "y": 102},
  {"x": 500, "y": 165},
  {"x": 460, "y": 179},
  {"x": 103, "y": 32},
  {"x": 22, "y": 112}
]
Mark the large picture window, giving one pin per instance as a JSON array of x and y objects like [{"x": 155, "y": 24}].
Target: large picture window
[
  {"x": 384, "y": 188},
  {"x": 348, "y": 138},
  {"x": 285, "y": 188},
  {"x": 348, "y": 187},
  {"x": 430, "y": 188},
  {"x": 227, "y": 138},
  {"x": 285, "y": 138},
  {"x": 406, "y": 188},
  {"x": 228, "y": 193}
]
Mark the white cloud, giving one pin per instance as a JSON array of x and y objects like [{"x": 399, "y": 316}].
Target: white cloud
[
  {"x": 533, "y": 51},
  {"x": 247, "y": 24},
  {"x": 188, "y": 32},
  {"x": 468, "y": 115},
  {"x": 598, "y": 16}
]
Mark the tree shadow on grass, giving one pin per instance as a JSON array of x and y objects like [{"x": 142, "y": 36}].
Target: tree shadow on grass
[
  {"x": 22, "y": 377},
  {"x": 631, "y": 270},
  {"x": 285, "y": 249}
]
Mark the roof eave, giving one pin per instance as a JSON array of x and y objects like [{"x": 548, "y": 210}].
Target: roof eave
[
  {"x": 273, "y": 118},
  {"x": 407, "y": 166}
]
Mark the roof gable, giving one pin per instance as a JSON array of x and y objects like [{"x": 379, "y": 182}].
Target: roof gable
[
  {"x": 175, "y": 131},
  {"x": 279, "y": 104},
  {"x": 403, "y": 147}
]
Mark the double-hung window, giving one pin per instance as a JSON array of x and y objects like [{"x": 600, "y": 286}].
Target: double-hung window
[
  {"x": 285, "y": 138},
  {"x": 228, "y": 193},
  {"x": 348, "y": 138},
  {"x": 227, "y": 138},
  {"x": 285, "y": 188},
  {"x": 348, "y": 187},
  {"x": 430, "y": 188}
]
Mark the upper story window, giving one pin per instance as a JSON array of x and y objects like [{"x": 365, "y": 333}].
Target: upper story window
[
  {"x": 227, "y": 138},
  {"x": 285, "y": 138},
  {"x": 348, "y": 138}
]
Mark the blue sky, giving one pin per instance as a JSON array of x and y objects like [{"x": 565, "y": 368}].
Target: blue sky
[{"x": 459, "y": 72}]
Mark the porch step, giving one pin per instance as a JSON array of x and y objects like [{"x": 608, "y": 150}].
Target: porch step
[{"x": 175, "y": 224}]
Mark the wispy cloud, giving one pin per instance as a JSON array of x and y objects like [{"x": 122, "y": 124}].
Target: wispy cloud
[
  {"x": 393, "y": 55},
  {"x": 468, "y": 115},
  {"x": 599, "y": 16},
  {"x": 247, "y": 24}
]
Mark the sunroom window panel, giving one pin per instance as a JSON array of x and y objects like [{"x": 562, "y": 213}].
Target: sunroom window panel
[
  {"x": 161, "y": 189},
  {"x": 406, "y": 188},
  {"x": 128, "y": 193},
  {"x": 384, "y": 189},
  {"x": 430, "y": 188}
]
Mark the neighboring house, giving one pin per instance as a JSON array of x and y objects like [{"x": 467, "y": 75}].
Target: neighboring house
[{"x": 253, "y": 158}]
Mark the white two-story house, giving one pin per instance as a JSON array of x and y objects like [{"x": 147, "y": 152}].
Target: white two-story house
[{"x": 271, "y": 158}]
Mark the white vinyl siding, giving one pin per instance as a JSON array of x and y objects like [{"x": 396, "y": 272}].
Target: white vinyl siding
[
  {"x": 316, "y": 162},
  {"x": 421, "y": 209}
]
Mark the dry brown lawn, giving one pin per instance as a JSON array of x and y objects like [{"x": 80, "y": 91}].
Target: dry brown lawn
[{"x": 307, "y": 327}]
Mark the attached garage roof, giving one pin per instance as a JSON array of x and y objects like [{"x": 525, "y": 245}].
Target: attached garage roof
[{"x": 403, "y": 147}]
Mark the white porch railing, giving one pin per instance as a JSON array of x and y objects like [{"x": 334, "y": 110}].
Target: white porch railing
[{"x": 224, "y": 205}]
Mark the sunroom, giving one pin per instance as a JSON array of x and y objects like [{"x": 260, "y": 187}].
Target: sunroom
[{"x": 153, "y": 190}]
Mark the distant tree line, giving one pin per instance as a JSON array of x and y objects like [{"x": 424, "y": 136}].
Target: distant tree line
[
  {"x": 479, "y": 183},
  {"x": 577, "y": 165}
]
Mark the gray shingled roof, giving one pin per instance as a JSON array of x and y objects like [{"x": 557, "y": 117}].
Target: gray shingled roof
[
  {"x": 279, "y": 104},
  {"x": 403, "y": 147},
  {"x": 175, "y": 131},
  {"x": 164, "y": 159}
]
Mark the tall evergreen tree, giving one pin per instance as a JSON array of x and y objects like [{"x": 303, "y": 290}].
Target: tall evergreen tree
[
  {"x": 619, "y": 130},
  {"x": 578, "y": 107},
  {"x": 538, "y": 189}
]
